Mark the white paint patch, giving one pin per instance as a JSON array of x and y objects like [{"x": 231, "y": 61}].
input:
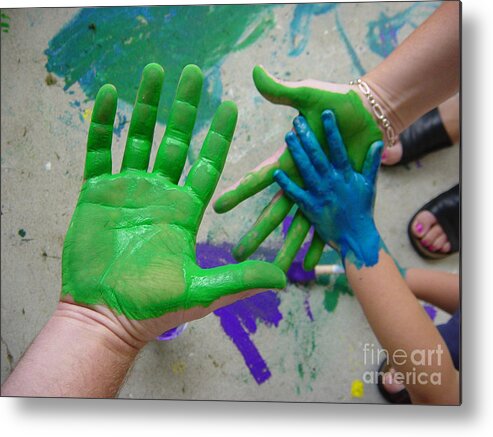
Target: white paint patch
[{"x": 48, "y": 166}]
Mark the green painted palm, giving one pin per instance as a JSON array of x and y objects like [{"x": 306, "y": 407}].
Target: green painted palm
[{"x": 131, "y": 242}]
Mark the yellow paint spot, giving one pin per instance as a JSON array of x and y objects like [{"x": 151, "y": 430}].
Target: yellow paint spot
[
  {"x": 357, "y": 388},
  {"x": 178, "y": 368},
  {"x": 87, "y": 113}
]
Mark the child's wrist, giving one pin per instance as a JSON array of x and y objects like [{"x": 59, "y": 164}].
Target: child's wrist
[{"x": 362, "y": 249}]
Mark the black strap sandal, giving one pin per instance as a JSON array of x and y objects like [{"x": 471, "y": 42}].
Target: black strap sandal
[
  {"x": 446, "y": 209},
  {"x": 425, "y": 135},
  {"x": 401, "y": 397}
]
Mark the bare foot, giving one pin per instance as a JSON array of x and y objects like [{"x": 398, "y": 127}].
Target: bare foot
[{"x": 429, "y": 233}]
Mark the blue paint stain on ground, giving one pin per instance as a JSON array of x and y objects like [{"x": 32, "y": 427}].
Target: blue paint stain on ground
[
  {"x": 383, "y": 33},
  {"x": 121, "y": 121},
  {"x": 349, "y": 47},
  {"x": 300, "y": 24}
]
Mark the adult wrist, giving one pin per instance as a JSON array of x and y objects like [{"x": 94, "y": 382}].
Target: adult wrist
[
  {"x": 102, "y": 325},
  {"x": 388, "y": 101}
]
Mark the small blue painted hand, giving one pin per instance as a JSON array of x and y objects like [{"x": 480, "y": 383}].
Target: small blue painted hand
[{"x": 337, "y": 199}]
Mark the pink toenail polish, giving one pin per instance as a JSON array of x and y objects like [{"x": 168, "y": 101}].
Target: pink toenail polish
[
  {"x": 425, "y": 244},
  {"x": 432, "y": 248},
  {"x": 419, "y": 227}
]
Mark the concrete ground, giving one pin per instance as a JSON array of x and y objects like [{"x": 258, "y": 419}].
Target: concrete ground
[{"x": 310, "y": 347}]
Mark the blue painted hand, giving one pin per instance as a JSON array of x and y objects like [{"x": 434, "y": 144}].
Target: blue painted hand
[{"x": 336, "y": 199}]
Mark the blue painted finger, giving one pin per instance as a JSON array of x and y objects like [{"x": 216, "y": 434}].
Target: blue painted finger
[
  {"x": 337, "y": 150},
  {"x": 311, "y": 145},
  {"x": 372, "y": 162},
  {"x": 301, "y": 160},
  {"x": 290, "y": 188}
]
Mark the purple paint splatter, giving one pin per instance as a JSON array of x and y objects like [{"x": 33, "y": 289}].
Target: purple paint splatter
[
  {"x": 308, "y": 310},
  {"x": 430, "y": 310},
  {"x": 239, "y": 320}
]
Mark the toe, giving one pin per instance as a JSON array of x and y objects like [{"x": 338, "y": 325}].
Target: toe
[
  {"x": 392, "y": 155},
  {"x": 422, "y": 223},
  {"x": 429, "y": 238},
  {"x": 389, "y": 384},
  {"x": 437, "y": 245},
  {"x": 446, "y": 248}
]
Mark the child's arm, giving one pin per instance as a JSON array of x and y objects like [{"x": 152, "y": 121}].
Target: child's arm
[
  {"x": 403, "y": 328},
  {"x": 339, "y": 202}
]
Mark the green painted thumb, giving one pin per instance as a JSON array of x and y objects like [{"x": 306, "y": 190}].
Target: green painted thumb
[
  {"x": 276, "y": 91},
  {"x": 212, "y": 284}
]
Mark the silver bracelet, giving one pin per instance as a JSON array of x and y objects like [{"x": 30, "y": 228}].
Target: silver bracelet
[{"x": 377, "y": 110}]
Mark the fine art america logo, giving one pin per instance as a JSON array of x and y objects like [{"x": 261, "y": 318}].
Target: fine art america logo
[{"x": 414, "y": 360}]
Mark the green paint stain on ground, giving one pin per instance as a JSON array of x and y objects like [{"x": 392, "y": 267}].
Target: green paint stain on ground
[
  {"x": 4, "y": 25},
  {"x": 330, "y": 300},
  {"x": 112, "y": 45},
  {"x": 301, "y": 373},
  {"x": 337, "y": 287},
  {"x": 22, "y": 233},
  {"x": 303, "y": 331}
]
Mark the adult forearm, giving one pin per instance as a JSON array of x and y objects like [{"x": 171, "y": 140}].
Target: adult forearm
[
  {"x": 75, "y": 355},
  {"x": 423, "y": 71},
  {"x": 402, "y": 327}
]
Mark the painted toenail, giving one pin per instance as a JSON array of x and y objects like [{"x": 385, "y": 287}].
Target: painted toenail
[
  {"x": 432, "y": 248},
  {"x": 425, "y": 243},
  {"x": 419, "y": 227}
]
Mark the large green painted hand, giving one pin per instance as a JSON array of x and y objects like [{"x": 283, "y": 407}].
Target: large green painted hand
[
  {"x": 358, "y": 129},
  {"x": 131, "y": 242}
]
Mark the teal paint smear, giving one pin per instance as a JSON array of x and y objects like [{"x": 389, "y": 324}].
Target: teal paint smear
[
  {"x": 300, "y": 24},
  {"x": 349, "y": 47},
  {"x": 112, "y": 45},
  {"x": 383, "y": 33}
]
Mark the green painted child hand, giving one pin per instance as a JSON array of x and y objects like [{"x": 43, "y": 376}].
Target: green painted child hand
[
  {"x": 358, "y": 130},
  {"x": 130, "y": 246}
]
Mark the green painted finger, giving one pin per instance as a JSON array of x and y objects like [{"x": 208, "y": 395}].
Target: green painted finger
[
  {"x": 255, "y": 181},
  {"x": 297, "y": 233},
  {"x": 314, "y": 253},
  {"x": 357, "y": 126},
  {"x": 212, "y": 284},
  {"x": 98, "y": 156},
  {"x": 271, "y": 217},
  {"x": 205, "y": 173},
  {"x": 172, "y": 153},
  {"x": 141, "y": 130}
]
